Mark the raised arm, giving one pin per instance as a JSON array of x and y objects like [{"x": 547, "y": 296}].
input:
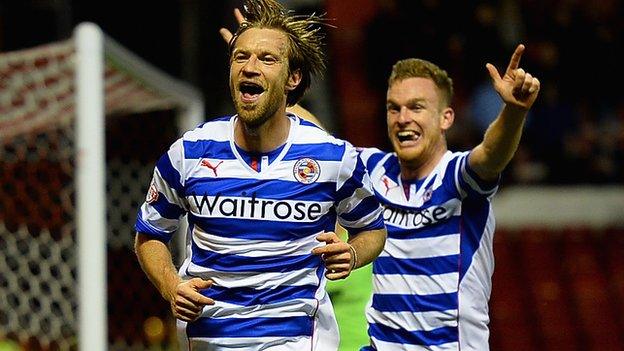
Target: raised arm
[{"x": 518, "y": 90}]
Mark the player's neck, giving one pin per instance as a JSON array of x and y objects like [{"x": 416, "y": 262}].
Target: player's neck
[
  {"x": 264, "y": 138},
  {"x": 420, "y": 169}
]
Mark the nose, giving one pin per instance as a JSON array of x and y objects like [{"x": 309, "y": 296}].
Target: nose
[
  {"x": 403, "y": 115},
  {"x": 251, "y": 66}
]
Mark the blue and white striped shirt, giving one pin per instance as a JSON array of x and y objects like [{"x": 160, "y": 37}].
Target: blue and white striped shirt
[
  {"x": 252, "y": 231},
  {"x": 432, "y": 282}
]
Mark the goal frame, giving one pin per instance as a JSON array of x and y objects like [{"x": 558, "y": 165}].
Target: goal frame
[{"x": 93, "y": 48}]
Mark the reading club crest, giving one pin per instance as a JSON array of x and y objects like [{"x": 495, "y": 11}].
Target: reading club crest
[
  {"x": 152, "y": 193},
  {"x": 306, "y": 170}
]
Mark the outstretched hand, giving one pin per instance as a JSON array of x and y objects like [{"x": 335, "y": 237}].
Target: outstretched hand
[
  {"x": 338, "y": 256},
  {"x": 516, "y": 87},
  {"x": 225, "y": 33}
]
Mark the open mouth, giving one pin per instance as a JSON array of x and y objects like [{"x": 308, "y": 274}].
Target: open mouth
[
  {"x": 407, "y": 135},
  {"x": 250, "y": 91}
]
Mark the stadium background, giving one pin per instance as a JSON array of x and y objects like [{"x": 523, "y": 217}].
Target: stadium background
[{"x": 557, "y": 285}]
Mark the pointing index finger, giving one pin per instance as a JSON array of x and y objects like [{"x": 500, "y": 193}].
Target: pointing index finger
[
  {"x": 514, "y": 62},
  {"x": 238, "y": 15}
]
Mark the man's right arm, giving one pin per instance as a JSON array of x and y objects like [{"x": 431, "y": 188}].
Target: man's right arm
[{"x": 184, "y": 297}]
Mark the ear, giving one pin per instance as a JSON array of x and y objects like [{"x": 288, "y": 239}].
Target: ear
[
  {"x": 294, "y": 78},
  {"x": 447, "y": 117}
]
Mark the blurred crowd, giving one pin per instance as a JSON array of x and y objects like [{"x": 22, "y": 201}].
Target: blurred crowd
[{"x": 575, "y": 133}]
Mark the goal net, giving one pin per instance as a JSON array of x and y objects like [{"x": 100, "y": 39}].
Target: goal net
[{"x": 42, "y": 108}]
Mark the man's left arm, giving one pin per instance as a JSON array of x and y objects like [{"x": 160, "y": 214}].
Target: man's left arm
[{"x": 518, "y": 89}]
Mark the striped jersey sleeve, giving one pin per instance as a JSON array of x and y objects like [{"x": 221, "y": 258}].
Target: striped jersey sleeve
[
  {"x": 370, "y": 156},
  {"x": 356, "y": 205},
  {"x": 164, "y": 204},
  {"x": 468, "y": 182}
]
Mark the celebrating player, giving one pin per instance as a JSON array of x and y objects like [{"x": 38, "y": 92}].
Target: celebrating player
[
  {"x": 432, "y": 282},
  {"x": 262, "y": 191}
]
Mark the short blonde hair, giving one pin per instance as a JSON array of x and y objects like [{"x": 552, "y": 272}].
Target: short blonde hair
[
  {"x": 304, "y": 38},
  {"x": 417, "y": 68}
]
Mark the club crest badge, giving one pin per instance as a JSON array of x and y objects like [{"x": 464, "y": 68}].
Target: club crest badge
[
  {"x": 306, "y": 170},
  {"x": 152, "y": 193},
  {"x": 427, "y": 195}
]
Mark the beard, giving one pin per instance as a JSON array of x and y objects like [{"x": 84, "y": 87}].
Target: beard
[{"x": 256, "y": 114}]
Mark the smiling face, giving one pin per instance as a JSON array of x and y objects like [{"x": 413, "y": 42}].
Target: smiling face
[
  {"x": 417, "y": 119},
  {"x": 259, "y": 77}
]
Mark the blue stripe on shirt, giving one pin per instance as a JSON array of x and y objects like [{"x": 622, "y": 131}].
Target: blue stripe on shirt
[
  {"x": 304, "y": 122},
  {"x": 363, "y": 209},
  {"x": 167, "y": 209},
  {"x": 436, "y": 336},
  {"x": 169, "y": 173},
  {"x": 414, "y": 303},
  {"x": 236, "y": 263},
  {"x": 252, "y": 297},
  {"x": 250, "y": 327},
  {"x": 475, "y": 212},
  {"x": 486, "y": 185},
  {"x": 141, "y": 226},
  {"x": 318, "y": 152},
  {"x": 196, "y": 149},
  {"x": 416, "y": 266}
]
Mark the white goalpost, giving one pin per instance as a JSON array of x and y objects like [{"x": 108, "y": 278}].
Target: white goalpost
[
  {"x": 66, "y": 200},
  {"x": 90, "y": 188}
]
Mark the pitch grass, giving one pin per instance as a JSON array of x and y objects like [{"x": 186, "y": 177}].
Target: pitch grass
[{"x": 349, "y": 298}]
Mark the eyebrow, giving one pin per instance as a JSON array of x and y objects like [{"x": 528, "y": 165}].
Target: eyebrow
[
  {"x": 275, "y": 53},
  {"x": 408, "y": 102}
]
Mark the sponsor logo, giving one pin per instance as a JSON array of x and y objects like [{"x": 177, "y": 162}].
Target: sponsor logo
[
  {"x": 306, "y": 170},
  {"x": 416, "y": 218},
  {"x": 207, "y": 164},
  {"x": 152, "y": 193},
  {"x": 255, "y": 208}
]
